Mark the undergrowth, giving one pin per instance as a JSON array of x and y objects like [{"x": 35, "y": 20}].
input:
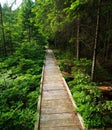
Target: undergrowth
[
  {"x": 20, "y": 76},
  {"x": 95, "y": 110},
  {"x": 91, "y": 104}
]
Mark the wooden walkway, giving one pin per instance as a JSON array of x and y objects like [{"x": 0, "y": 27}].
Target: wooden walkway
[{"x": 56, "y": 107}]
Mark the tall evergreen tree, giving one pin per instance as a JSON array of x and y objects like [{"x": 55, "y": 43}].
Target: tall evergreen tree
[{"x": 96, "y": 41}]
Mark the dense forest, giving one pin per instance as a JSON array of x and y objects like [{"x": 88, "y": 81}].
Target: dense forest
[{"x": 80, "y": 33}]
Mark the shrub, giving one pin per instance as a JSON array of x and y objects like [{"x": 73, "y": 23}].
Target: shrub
[
  {"x": 19, "y": 84},
  {"x": 95, "y": 111}
]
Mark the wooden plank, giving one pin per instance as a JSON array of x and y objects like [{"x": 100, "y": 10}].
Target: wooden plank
[
  {"x": 62, "y": 128},
  {"x": 53, "y": 86},
  {"x": 55, "y": 94}
]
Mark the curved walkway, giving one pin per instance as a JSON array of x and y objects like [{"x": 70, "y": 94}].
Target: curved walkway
[{"x": 56, "y": 106}]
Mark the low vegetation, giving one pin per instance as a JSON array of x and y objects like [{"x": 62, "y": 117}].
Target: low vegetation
[
  {"x": 19, "y": 87},
  {"x": 94, "y": 107}
]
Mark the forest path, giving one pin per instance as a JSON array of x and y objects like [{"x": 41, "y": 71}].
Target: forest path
[{"x": 56, "y": 105}]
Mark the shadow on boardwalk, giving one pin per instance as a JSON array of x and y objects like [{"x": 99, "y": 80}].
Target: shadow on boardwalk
[{"x": 56, "y": 106}]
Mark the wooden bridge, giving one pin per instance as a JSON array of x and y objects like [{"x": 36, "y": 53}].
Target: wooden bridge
[{"x": 56, "y": 106}]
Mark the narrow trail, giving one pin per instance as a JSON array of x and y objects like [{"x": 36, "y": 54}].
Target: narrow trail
[{"x": 56, "y": 105}]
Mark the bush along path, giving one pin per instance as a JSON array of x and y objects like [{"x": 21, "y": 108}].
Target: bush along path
[
  {"x": 19, "y": 87},
  {"x": 95, "y": 110}
]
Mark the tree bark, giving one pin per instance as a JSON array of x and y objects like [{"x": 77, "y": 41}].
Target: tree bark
[
  {"x": 10, "y": 25},
  {"x": 3, "y": 33},
  {"x": 78, "y": 32},
  {"x": 95, "y": 43}
]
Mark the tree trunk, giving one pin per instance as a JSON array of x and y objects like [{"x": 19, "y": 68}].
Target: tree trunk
[
  {"x": 3, "y": 33},
  {"x": 107, "y": 38},
  {"x": 78, "y": 46},
  {"x": 10, "y": 26},
  {"x": 11, "y": 44},
  {"x": 106, "y": 50},
  {"x": 10, "y": 34},
  {"x": 96, "y": 42}
]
